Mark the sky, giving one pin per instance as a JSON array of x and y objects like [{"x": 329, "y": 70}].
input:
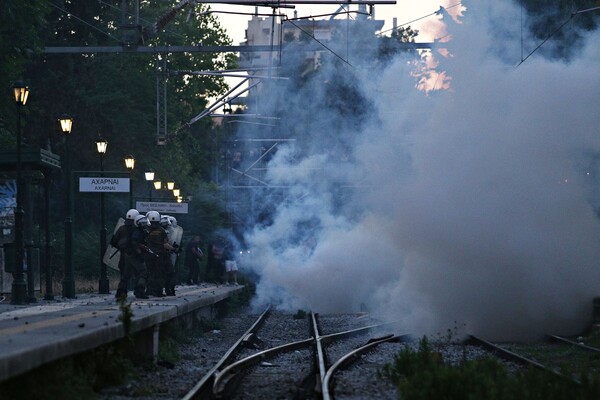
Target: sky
[
  {"x": 404, "y": 10},
  {"x": 475, "y": 206}
]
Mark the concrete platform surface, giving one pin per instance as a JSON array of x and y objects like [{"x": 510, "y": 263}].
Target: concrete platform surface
[{"x": 35, "y": 334}]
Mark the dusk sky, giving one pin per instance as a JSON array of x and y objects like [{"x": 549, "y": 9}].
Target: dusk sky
[{"x": 404, "y": 10}]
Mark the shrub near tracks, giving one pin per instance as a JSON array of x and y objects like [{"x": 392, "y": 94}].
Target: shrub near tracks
[{"x": 422, "y": 375}]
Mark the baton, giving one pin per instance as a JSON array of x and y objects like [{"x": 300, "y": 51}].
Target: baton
[{"x": 113, "y": 254}]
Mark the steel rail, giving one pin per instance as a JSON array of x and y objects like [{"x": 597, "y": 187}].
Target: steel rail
[
  {"x": 357, "y": 331},
  {"x": 319, "y": 347},
  {"x": 507, "y": 354},
  {"x": 351, "y": 357},
  {"x": 204, "y": 384},
  {"x": 223, "y": 378},
  {"x": 577, "y": 344}
]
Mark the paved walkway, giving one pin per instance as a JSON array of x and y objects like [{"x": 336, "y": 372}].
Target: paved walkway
[{"x": 34, "y": 334}]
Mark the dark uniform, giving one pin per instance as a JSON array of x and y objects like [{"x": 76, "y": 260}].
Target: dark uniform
[
  {"x": 170, "y": 274},
  {"x": 157, "y": 269},
  {"x": 128, "y": 239}
]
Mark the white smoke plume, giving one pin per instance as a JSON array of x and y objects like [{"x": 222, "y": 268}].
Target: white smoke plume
[{"x": 474, "y": 205}]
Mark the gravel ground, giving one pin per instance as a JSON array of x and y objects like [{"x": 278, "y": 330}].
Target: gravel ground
[
  {"x": 278, "y": 378},
  {"x": 198, "y": 356}
]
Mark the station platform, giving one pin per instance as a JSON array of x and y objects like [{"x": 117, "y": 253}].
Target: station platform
[{"x": 38, "y": 333}]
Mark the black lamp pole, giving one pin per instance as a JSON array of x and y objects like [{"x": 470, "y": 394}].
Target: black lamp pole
[
  {"x": 66, "y": 124},
  {"x": 103, "y": 285},
  {"x": 49, "y": 295},
  {"x": 149, "y": 178},
  {"x": 19, "y": 286},
  {"x": 130, "y": 164},
  {"x": 157, "y": 185}
]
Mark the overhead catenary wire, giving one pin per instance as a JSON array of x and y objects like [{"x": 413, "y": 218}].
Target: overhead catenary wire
[
  {"x": 70, "y": 14},
  {"x": 437, "y": 12},
  {"x": 573, "y": 14},
  {"x": 318, "y": 41}
]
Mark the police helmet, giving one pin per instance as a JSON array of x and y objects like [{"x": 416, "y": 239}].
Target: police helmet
[
  {"x": 141, "y": 220},
  {"x": 173, "y": 220},
  {"x": 164, "y": 221},
  {"x": 153, "y": 216},
  {"x": 131, "y": 214}
]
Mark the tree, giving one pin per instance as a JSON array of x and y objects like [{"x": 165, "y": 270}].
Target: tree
[
  {"x": 113, "y": 95},
  {"x": 19, "y": 24},
  {"x": 548, "y": 19}
]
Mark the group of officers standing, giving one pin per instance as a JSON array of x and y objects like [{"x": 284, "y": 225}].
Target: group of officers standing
[{"x": 145, "y": 255}]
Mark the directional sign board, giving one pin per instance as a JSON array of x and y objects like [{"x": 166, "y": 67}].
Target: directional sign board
[
  {"x": 161, "y": 207},
  {"x": 105, "y": 184}
]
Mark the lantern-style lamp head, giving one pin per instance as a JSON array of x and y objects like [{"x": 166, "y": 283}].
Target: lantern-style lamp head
[
  {"x": 176, "y": 192},
  {"x": 129, "y": 162},
  {"x": 149, "y": 175},
  {"x": 66, "y": 124},
  {"x": 101, "y": 145},
  {"x": 21, "y": 92},
  {"x": 157, "y": 185},
  {"x": 170, "y": 184}
]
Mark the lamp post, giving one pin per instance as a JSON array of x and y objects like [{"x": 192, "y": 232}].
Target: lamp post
[
  {"x": 130, "y": 164},
  {"x": 19, "y": 286},
  {"x": 66, "y": 124},
  {"x": 103, "y": 286},
  {"x": 149, "y": 178}
]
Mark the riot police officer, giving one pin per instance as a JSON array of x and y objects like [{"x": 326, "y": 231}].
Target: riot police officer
[
  {"x": 127, "y": 240},
  {"x": 167, "y": 259},
  {"x": 158, "y": 244}
]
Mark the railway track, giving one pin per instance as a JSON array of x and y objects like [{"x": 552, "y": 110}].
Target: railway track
[
  {"x": 278, "y": 355},
  {"x": 563, "y": 357},
  {"x": 298, "y": 363}
]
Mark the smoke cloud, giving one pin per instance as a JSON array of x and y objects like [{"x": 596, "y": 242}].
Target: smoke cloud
[{"x": 473, "y": 206}]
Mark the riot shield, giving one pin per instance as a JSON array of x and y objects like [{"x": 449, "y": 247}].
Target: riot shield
[
  {"x": 112, "y": 255},
  {"x": 175, "y": 234}
]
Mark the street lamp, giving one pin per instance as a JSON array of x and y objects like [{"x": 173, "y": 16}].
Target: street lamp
[
  {"x": 176, "y": 192},
  {"x": 149, "y": 178},
  {"x": 157, "y": 185},
  {"x": 19, "y": 286},
  {"x": 103, "y": 286},
  {"x": 170, "y": 184},
  {"x": 130, "y": 164},
  {"x": 66, "y": 124}
]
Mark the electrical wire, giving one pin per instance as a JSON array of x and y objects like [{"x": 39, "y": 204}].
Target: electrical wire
[
  {"x": 423, "y": 17},
  {"x": 546, "y": 39},
  {"x": 70, "y": 14},
  {"x": 318, "y": 41},
  {"x": 573, "y": 14}
]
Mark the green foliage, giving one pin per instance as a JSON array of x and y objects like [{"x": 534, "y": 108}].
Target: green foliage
[
  {"x": 72, "y": 378},
  {"x": 301, "y": 314},
  {"x": 168, "y": 350},
  {"x": 126, "y": 317},
  {"x": 423, "y": 375},
  {"x": 113, "y": 95},
  {"x": 547, "y": 16}
]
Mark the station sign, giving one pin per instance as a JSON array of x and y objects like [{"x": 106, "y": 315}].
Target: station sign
[
  {"x": 162, "y": 207},
  {"x": 104, "y": 184}
]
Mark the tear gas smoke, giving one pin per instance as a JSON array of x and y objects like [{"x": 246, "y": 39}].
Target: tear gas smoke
[{"x": 474, "y": 205}]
